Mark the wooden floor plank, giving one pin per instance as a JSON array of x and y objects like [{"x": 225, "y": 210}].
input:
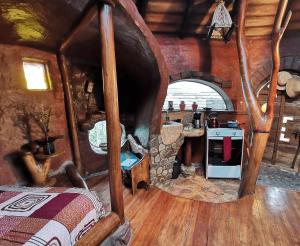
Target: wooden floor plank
[
  {"x": 200, "y": 226},
  {"x": 245, "y": 216},
  {"x": 234, "y": 224},
  {"x": 270, "y": 217}
]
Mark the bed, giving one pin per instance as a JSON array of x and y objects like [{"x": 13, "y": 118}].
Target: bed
[{"x": 46, "y": 216}]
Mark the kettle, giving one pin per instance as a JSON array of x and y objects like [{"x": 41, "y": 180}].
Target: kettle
[
  {"x": 196, "y": 120},
  {"x": 213, "y": 120}
]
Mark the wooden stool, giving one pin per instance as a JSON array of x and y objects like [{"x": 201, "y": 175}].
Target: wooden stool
[
  {"x": 139, "y": 173},
  {"x": 297, "y": 134},
  {"x": 39, "y": 166}
]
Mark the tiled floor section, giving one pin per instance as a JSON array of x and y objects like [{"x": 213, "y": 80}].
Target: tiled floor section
[
  {"x": 279, "y": 177},
  {"x": 196, "y": 187}
]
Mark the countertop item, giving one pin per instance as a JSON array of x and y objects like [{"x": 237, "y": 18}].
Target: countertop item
[{"x": 170, "y": 132}]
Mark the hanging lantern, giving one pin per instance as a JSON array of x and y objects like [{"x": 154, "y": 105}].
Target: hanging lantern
[{"x": 221, "y": 26}]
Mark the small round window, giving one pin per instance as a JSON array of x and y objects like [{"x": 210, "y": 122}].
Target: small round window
[{"x": 98, "y": 138}]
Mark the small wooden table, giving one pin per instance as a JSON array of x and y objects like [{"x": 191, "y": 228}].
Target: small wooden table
[{"x": 188, "y": 135}]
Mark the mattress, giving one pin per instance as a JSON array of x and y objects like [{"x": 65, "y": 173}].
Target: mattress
[{"x": 46, "y": 216}]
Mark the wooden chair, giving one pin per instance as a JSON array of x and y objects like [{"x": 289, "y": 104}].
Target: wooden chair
[{"x": 139, "y": 173}]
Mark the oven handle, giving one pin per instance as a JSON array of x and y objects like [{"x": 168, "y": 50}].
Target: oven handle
[{"x": 221, "y": 138}]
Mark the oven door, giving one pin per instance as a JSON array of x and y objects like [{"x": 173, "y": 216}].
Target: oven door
[
  {"x": 216, "y": 154},
  {"x": 216, "y": 167}
]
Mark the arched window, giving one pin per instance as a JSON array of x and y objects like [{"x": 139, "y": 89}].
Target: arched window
[{"x": 204, "y": 93}]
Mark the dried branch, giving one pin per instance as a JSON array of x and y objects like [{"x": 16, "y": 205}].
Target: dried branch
[{"x": 42, "y": 118}]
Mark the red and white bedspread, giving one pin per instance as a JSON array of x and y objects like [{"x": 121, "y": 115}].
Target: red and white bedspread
[{"x": 46, "y": 216}]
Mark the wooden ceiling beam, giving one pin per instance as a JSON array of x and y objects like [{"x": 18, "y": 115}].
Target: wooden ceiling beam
[
  {"x": 163, "y": 18},
  {"x": 142, "y": 7},
  {"x": 87, "y": 18},
  {"x": 261, "y": 10},
  {"x": 166, "y": 7},
  {"x": 186, "y": 16},
  {"x": 160, "y": 28},
  {"x": 260, "y": 21},
  {"x": 258, "y": 31},
  {"x": 261, "y": 2}
]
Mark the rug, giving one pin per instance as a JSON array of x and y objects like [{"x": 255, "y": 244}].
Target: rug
[{"x": 193, "y": 185}]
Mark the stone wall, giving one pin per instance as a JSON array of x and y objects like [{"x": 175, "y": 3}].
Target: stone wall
[{"x": 163, "y": 158}]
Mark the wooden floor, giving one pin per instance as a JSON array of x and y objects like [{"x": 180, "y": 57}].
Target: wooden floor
[{"x": 271, "y": 217}]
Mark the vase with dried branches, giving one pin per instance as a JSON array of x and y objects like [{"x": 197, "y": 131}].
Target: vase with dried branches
[{"x": 42, "y": 118}]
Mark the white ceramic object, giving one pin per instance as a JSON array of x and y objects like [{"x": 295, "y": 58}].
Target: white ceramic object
[{"x": 293, "y": 86}]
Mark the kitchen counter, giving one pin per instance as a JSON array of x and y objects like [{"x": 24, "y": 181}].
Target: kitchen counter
[
  {"x": 171, "y": 131},
  {"x": 188, "y": 135},
  {"x": 194, "y": 132}
]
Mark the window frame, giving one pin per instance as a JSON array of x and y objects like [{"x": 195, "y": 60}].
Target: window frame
[
  {"x": 47, "y": 73},
  {"x": 222, "y": 93}
]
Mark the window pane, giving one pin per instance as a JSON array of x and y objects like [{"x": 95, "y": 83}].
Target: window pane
[
  {"x": 190, "y": 92},
  {"x": 36, "y": 77}
]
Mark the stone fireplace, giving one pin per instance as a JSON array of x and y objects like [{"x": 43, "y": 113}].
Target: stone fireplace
[{"x": 163, "y": 151}]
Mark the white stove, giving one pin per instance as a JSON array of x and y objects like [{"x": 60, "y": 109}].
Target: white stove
[{"x": 216, "y": 167}]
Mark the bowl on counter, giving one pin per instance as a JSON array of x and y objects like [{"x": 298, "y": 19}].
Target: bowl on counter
[{"x": 232, "y": 124}]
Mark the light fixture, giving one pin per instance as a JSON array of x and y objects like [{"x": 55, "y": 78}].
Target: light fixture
[
  {"x": 221, "y": 26},
  {"x": 36, "y": 75}
]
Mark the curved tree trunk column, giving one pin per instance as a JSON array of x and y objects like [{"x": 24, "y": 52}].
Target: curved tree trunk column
[
  {"x": 261, "y": 122},
  {"x": 256, "y": 154},
  {"x": 110, "y": 90}
]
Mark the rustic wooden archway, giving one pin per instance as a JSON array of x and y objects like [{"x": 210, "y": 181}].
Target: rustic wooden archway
[
  {"x": 104, "y": 10},
  {"x": 202, "y": 76}
]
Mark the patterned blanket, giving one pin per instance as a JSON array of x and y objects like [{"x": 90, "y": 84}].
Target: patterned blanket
[{"x": 46, "y": 216}]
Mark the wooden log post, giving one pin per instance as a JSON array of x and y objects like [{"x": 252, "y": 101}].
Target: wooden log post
[
  {"x": 110, "y": 90},
  {"x": 63, "y": 64},
  {"x": 261, "y": 122},
  {"x": 101, "y": 230}
]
